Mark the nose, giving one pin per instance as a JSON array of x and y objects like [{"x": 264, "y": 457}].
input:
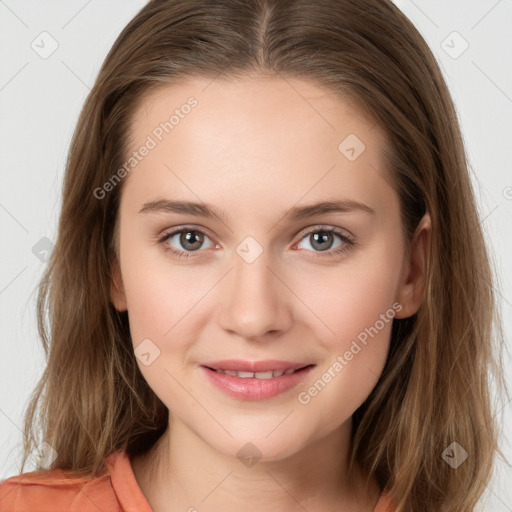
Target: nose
[{"x": 255, "y": 301}]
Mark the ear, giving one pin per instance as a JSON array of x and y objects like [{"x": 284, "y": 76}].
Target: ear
[
  {"x": 117, "y": 293},
  {"x": 412, "y": 280}
]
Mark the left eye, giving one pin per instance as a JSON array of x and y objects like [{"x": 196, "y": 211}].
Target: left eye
[{"x": 322, "y": 239}]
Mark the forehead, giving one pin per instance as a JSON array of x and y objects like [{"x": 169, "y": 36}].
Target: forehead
[
  {"x": 267, "y": 103},
  {"x": 259, "y": 134}
]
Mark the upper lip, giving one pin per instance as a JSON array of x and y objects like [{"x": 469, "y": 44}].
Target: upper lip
[{"x": 255, "y": 366}]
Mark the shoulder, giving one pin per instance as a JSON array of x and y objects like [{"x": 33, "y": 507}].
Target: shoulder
[
  {"x": 385, "y": 503},
  {"x": 56, "y": 490}
]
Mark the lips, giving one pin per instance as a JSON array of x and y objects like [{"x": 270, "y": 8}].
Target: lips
[{"x": 270, "y": 378}]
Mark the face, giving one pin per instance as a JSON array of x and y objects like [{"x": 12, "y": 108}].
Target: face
[{"x": 266, "y": 277}]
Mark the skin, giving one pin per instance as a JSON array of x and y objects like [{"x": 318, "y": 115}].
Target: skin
[{"x": 257, "y": 147}]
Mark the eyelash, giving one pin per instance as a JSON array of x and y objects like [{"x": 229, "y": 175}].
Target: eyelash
[{"x": 348, "y": 242}]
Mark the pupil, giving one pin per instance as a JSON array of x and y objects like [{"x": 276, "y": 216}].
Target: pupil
[
  {"x": 187, "y": 240},
  {"x": 322, "y": 237}
]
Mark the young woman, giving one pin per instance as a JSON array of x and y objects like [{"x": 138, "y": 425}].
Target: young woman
[{"x": 270, "y": 288}]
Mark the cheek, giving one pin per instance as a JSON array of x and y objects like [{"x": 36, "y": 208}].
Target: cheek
[
  {"x": 357, "y": 307},
  {"x": 153, "y": 293},
  {"x": 351, "y": 298},
  {"x": 161, "y": 299},
  {"x": 168, "y": 303},
  {"x": 356, "y": 353},
  {"x": 160, "y": 303}
]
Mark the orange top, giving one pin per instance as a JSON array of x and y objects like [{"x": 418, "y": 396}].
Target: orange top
[{"x": 114, "y": 491}]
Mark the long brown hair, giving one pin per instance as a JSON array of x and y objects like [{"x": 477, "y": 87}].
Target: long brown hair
[{"x": 435, "y": 387}]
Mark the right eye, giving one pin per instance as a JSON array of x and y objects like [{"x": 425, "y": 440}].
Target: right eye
[{"x": 190, "y": 239}]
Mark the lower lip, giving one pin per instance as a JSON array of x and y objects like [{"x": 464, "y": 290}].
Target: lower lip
[{"x": 255, "y": 389}]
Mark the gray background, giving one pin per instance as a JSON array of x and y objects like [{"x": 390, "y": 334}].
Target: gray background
[{"x": 40, "y": 99}]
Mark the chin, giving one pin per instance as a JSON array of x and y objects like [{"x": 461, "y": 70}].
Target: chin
[{"x": 251, "y": 449}]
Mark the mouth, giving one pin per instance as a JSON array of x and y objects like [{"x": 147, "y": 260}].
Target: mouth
[
  {"x": 267, "y": 380},
  {"x": 270, "y": 374}
]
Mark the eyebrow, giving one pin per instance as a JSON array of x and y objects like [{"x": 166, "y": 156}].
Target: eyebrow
[{"x": 295, "y": 213}]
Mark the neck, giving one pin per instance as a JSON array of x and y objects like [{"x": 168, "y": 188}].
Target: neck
[{"x": 182, "y": 472}]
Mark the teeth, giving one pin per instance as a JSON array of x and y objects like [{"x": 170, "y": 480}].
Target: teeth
[
  {"x": 245, "y": 375},
  {"x": 257, "y": 375}
]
